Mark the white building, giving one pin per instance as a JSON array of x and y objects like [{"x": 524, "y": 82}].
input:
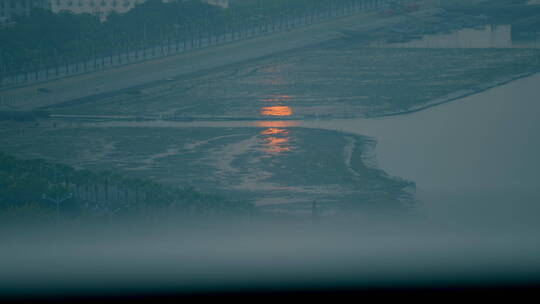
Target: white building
[
  {"x": 222, "y": 3},
  {"x": 11, "y": 8},
  {"x": 104, "y": 7},
  {"x": 98, "y": 7}
]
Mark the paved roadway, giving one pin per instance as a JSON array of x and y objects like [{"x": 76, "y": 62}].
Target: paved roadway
[{"x": 113, "y": 80}]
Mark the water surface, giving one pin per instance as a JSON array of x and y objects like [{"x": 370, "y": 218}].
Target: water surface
[{"x": 479, "y": 151}]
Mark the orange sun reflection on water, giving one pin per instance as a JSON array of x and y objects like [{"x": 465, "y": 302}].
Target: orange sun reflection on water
[
  {"x": 277, "y": 111},
  {"x": 276, "y": 124},
  {"x": 276, "y": 140},
  {"x": 274, "y": 131},
  {"x": 277, "y": 145},
  {"x": 276, "y": 136}
]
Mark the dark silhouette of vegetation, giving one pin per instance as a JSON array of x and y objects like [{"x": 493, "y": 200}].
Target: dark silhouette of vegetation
[
  {"x": 34, "y": 186},
  {"x": 46, "y": 39}
]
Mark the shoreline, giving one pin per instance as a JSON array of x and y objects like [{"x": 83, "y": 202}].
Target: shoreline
[
  {"x": 248, "y": 121},
  {"x": 457, "y": 95},
  {"x": 121, "y": 78}
]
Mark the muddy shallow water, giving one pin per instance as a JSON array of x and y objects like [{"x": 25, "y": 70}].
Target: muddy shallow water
[
  {"x": 288, "y": 130},
  {"x": 478, "y": 155}
]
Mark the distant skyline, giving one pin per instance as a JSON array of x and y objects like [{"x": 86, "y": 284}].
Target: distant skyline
[{"x": 11, "y": 8}]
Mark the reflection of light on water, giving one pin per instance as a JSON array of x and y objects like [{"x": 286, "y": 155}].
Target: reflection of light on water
[
  {"x": 278, "y": 98},
  {"x": 276, "y": 124},
  {"x": 273, "y": 131},
  {"x": 273, "y": 75},
  {"x": 277, "y": 111},
  {"x": 277, "y": 141},
  {"x": 275, "y": 145},
  {"x": 277, "y": 138}
]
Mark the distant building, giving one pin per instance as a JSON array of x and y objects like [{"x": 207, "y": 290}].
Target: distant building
[
  {"x": 96, "y": 7},
  {"x": 9, "y": 9},
  {"x": 222, "y": 3}
]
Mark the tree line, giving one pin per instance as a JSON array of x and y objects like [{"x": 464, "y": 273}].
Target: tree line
[
  {"x": 45, "y": 38},
  {"x": 34, "y": 186}
]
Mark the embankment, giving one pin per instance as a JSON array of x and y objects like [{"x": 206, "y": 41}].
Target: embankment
[{"x": 114, "y": 80}]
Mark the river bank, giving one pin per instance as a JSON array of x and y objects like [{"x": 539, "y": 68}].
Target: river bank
[
  {"x": 332, "y": 81},
  {"x": 252, "y": 130},
  {"x": 473, "y": 160},
  {"x": 106, "y": 82}
]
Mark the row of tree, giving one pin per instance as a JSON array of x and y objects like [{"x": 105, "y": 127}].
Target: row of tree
[
  {"x": 47, "y": 186},
  {"x": 46, "y": 38}
]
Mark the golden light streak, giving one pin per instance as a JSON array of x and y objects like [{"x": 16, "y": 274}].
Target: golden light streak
[
  {"x": 274, "y": 131},
  {"x": 277, "y": 111},
  {"x": 276, "y": 124}
]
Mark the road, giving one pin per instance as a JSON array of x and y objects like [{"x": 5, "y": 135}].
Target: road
[{"x": 113, "y": 80}]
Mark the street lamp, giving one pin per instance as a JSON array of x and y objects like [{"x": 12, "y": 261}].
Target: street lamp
[{"x": 57, "y": 201}]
